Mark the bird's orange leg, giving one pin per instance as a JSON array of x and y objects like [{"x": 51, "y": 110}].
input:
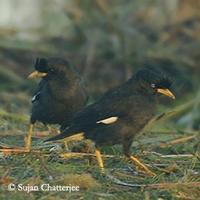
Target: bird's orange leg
[
  {"x": 99, "y": 160},
  {"x": 142, "y": 166},
  {"x": 28, "y": 139},
  {"x": 18, "y": 150}
]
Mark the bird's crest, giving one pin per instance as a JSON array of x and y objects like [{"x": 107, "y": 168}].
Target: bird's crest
[
  {"x": 154, "y": 77},
  {"x": 41, "y": 64},
  {"x": 164, "y": 82}
]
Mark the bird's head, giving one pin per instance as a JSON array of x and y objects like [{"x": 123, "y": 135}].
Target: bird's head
[
  {"x": 153, "y": 82},
  {"x": 51, "y": 67}
]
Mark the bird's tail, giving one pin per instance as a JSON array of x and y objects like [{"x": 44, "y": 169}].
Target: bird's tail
[{"x": 69, "y": 132}]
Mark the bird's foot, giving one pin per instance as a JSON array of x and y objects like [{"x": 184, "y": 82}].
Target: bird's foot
[
  {"x": 76, "y": 154},
  {"x": 8, "y": 150},
  {"x": 28, "y": 141},
  {"x": 14, "y": 150},
  {"x": 100, "y": 161},
  {"x": 142, "y": 166}
]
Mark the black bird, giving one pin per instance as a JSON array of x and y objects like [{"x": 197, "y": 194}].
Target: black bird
[
  {"x": 121, "y": 113},
  {"x": 59, "y": 96}
]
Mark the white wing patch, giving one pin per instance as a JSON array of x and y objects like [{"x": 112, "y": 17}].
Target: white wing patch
[
  {"x": 109, "y": 120},
  {"x": 35, "y": 97}
]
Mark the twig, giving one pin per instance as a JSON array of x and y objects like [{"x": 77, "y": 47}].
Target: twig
[
  {"x": 9, "y": 151},
  {"x": 178, "y": 156},
  {"x": 42, "y": 161},
  {"x": 172, "y": 185},
  {"x": 72, "y": 154},
  {"x": 174, "y": 132},
  {"x": 154, "y": 186},
  {"x": 171, "y": 156},
  {"x": 177, "y": 141},
  {"x": 119, "y": 182}
]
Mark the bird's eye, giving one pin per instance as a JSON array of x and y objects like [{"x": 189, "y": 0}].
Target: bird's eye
[{"x": 153, "y": 85}]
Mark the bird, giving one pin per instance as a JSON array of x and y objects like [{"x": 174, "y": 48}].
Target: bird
[
  {"x": 120, "y": 114},
  {"x": 60, "y": 94}
]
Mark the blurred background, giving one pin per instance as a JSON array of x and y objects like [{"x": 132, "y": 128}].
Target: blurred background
[{"x": 106, "y": 40}]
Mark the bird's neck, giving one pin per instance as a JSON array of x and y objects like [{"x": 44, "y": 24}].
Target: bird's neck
[{"x": 62, "y": 79}]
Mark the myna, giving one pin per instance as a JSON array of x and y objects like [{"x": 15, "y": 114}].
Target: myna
[
  {"x": 120, "y": 114},
  {"x": 59, "y": 96}
]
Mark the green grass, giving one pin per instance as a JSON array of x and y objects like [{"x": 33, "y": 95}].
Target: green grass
[
  {"x": 154, "y": 148},
  {"x": 107, "y": 41}
]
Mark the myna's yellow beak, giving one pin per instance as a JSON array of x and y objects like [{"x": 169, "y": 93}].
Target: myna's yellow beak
[
  {"x": 166, "y": 92},
  {"x": 37, "y": 74}
]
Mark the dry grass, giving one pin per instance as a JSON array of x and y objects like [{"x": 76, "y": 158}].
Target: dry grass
[
  {"x": 110, "y": 39},
  {"x": 172, "y": 154}
]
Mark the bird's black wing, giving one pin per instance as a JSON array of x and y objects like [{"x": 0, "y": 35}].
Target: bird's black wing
[{"x": 102, "y": 112}]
